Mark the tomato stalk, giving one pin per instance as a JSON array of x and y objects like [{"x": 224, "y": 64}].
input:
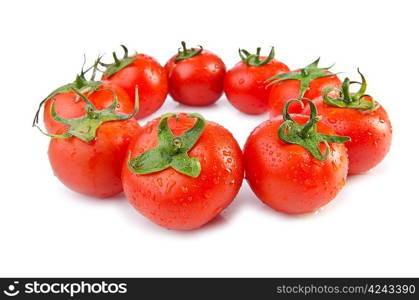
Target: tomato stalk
[
  {"x": 81, "y": 84},
  {"x": 186, "y": 53},
  {"x": 306, "y": 135},
  {"x": 172, "y": 151},
  {"x": 304, "y": 75},
  {"x": 254, "y": 60},
  {"x": 119, "y": 63},
  {"x": 346, "y": 99},
  {"x": 85, "y": 127}
]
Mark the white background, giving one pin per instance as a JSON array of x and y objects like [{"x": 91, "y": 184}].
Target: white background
[{"x": 370, "y": 229}]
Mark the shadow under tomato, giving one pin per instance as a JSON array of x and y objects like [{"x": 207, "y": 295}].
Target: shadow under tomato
[
  {"x": 143, "y": 223},
  {"x": 81, "y": 197},
  {"x": 246, "y": 199}
]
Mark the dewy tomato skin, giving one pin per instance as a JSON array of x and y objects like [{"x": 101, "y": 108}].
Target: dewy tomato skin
[
  {"x": 370, "y": 133},
  {"x": 245, "y": 85},
  {"x": 198, "y": 80},
  {"x": 69, "y": 106},
  {"x": 285, "y": 90},
  {"x": 94, "y": 168},
  {"x": 177, "y": 201},
  {"x": 286, "y": 176},
  {"x": 151, "y": 79}
]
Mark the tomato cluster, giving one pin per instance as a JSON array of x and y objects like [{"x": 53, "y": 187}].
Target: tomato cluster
[{"x": 180, "y": 170}]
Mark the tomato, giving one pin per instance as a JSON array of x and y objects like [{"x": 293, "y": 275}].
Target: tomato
[
  {"x": 245, "y": 83},
  {"x": 196, "y": 76},
  {"x": 69, "y": 106},
  {"x": 87, "y": 154},
  {"x": 302, "y": 83},
  {"x": 362, "y": 119},
  {"x": 291, "y": 171},
  {"x": 143, "y": 71},
  {"x": 181, "y": 172}
]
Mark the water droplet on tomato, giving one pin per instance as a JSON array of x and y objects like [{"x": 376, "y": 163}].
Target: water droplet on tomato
[
  {"x": 170, "y": 187},
  {"x": 218, "y": 210},
  {"x": 226, "y": 153}
]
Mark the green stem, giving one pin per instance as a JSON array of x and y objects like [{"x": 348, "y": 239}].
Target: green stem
[
  {"x": 85, "y": 127},
  {"x": 186, "y": 53},
  {"x": 346, "y": 99},
  {"x": 254, "y": 60},
  {"x": 171, "y": 151},
  {"x": 306, "y": 135},
  {"x": 80, "y": 83},
  {"x": 304, "y": 75},
  {"x": 119, "y": 63}
]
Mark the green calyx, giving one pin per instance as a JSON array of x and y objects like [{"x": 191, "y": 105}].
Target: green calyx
[
  {"x": 305, "y": 76},
  {"x": 186, "y": 53},
  {"x": 254, "y": 60},
  {"x": 80, "y": 84},
  {"x": 346, "y": 99},
  {"x": 306, "y": 135},
  {"x": 85, "y": 127},
  {"x": 172, "y": 151},
  {"x": 118, "y": 64}
]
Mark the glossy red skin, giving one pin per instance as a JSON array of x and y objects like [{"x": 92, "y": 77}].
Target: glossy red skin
[
  {"x": 370, "y": 133},
  {"x": 285, "y": 90},
  {"x": 67, "y": 107},
  {"x": 245, "y": 86},
  {"x": 287, "y": 177},
  {"x": 94, "y": 168},
  {"x": 152, "y": 82},
  {"x": 176, "y": 201},
  {"x": 196, "y": 81}
]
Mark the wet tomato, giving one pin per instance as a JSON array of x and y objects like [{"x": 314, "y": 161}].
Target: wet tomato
[
  {"x": 182, "y": 171},
  {"x": 245, "y": 84},
  {"x": 87, "y": 153},
  {"x": 307, "y": 82},
  {"x": 143, "y": 71},
  {"x": 196, "y": 76},
  {"x": 360, "y": 117},
  {"x": 295, "y": 164}
]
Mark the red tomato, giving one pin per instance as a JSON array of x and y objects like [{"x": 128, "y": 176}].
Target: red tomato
[
  {"x": 145, "y": 72},
  {"x": 245, "y": 83},
  {"x": 287, "y": 89},
  {"x": 287, "y": 177},
  {"x": 178, "y": 201},
  {"x": 94, "y": 168},
  {"x": 370, "y": 132},
  {"x": 88, "y": 152},
  {"x": 196, "y": 77},
  {"x": 69, "y": 106}
]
